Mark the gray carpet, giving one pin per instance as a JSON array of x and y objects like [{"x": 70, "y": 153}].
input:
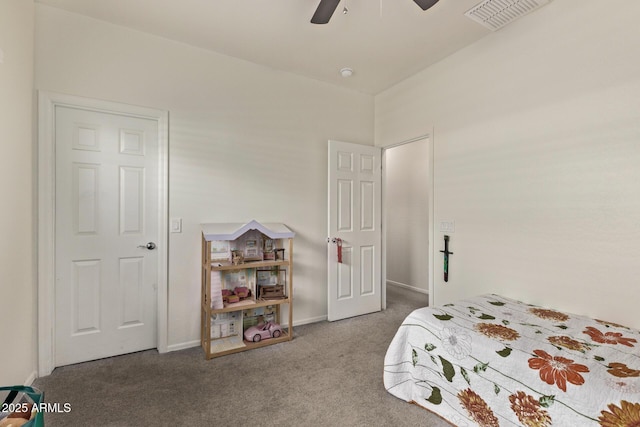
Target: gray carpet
[{"x": 329, "y": 375}]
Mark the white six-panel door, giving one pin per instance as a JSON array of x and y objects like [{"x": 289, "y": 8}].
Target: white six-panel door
[
  {"x": 106, "y": 211},
  {"x": 354, "y": 285}
]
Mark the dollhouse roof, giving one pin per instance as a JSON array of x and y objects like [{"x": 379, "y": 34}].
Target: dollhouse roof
[{"x": 231, "y": 231}]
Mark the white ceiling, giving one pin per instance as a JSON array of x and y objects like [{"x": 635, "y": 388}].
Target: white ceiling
[{"x": 383, "y": 41}]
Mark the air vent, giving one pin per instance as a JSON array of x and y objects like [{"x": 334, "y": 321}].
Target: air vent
[{"x": 495, "y": 14}]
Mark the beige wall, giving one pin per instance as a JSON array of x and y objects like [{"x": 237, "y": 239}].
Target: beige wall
[
  {"x": 537, "y": 147},
  {"x": 17, "y": 253},
  {"x": 536, "y": 152},
  {"x": 406, "y": 197},
  {"x": 246, "y": 142}
]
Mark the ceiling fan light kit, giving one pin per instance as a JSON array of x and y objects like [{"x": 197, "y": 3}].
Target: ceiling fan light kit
[{"x": 326, "y": 8}]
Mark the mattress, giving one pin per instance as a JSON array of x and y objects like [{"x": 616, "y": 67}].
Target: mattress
[{"x": 495, "y": 361}]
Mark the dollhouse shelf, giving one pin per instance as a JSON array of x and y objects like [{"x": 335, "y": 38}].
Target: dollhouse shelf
[
  {"x": 246, "y": 305},
  {"x": 223, "y": 327},
  {"x": 227, "y": 266}
]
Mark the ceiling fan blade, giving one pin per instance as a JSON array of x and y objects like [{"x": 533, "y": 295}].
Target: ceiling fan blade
[
  {"x": 425, "y": 4},
  {"x": 324, "y": 11}
]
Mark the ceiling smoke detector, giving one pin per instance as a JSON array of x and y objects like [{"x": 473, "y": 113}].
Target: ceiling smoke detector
[
  {"x": 346, "y": 72},
  {"x": 495, "y": 14}
]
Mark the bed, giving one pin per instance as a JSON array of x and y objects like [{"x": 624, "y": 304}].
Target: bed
[{"x": 494, "y": 361}]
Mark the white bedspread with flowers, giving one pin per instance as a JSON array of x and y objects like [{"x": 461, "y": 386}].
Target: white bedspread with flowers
[{"x": 494, "y": 361}]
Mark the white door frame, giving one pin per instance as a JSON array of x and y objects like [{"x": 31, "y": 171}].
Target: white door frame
[
  {"x": 47, "y": 101},
  {"x": 430, "y": 186}
]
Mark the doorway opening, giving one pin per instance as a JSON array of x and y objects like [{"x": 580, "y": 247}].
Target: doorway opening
[{"x": 407, "y": 202}]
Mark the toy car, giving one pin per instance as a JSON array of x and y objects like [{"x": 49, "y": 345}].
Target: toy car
[{"x": 263, "y": 331}]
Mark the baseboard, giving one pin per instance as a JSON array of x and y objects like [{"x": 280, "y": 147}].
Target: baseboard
[
  {"x": 183, "y": 346},
  {"x": 309, "y": 320},
  {"x": 31, "y": 378},
  {"x": 405, "y": 286}
]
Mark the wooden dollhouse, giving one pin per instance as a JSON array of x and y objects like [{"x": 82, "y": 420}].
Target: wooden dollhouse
[{"x": 247, "y": 271}]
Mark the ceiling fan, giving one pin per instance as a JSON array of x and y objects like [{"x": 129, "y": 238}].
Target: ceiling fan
[{"x": 327, "y": 7}]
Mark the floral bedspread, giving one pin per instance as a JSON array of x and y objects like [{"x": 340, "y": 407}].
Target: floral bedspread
[{"x": 494, "y": 361}]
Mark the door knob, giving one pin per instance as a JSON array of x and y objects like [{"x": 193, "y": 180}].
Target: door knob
[{"x": 151, "y": 246}]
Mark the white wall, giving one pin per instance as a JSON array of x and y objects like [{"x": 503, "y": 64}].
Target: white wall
[
  {"x": 407, "y": 214},
  {"x": 246, "y": 142},
  {"x": 17, "y": 250},
  {"x": 537, "y": 147}
]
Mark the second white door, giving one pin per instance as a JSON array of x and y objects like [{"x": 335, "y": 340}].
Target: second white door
[
  {"x": 354, "y": 281},
  {"x": 106, "y": 210}
]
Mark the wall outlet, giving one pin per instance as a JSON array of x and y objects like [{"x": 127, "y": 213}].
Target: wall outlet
[{"x": 448, "y": 226}]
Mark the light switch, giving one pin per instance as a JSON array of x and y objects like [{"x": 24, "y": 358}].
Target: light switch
[{"x": 176, "y": 225}]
